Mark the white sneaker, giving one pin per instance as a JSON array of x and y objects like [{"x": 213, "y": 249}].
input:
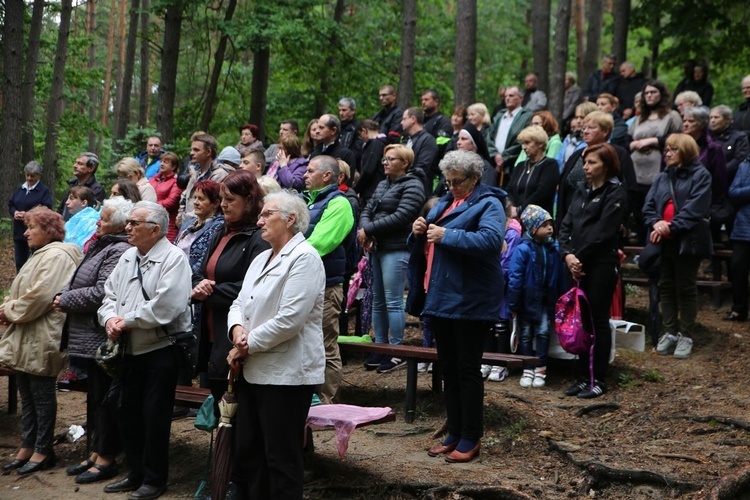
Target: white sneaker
[
  {"x": 422, "y": 367},
  {"x": 498, "y": 374},
  {"x": 684, "y": 347},
  {"x": 667, "y": 344},
  {"x": 540, "y": 376},
  {"x": 527, "y": 379},
  {"x": 486, "y": 369}
]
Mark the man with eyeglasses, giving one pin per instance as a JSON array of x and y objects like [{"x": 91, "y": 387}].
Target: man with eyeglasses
[
  {"x": 147, "y": 299},
  {"x": 389, "y": 117},
  {"x": 741, "y": 115},
  {"x": 331, "y": 232}
]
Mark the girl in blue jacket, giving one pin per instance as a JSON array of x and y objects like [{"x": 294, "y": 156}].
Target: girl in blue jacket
[{"x": 534, "y": 285}]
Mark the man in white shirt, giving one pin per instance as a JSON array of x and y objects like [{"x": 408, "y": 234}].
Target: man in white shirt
[{"x": 503, "y": 144}]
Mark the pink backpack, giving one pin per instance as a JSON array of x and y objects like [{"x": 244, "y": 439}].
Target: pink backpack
[{"x": 570, "y": 326}]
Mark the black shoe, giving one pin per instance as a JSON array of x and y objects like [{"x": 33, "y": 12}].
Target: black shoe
[
  {"x": 147, "y": 492},
  {"x": 127, "y": 484},
  {"x": 598, "y": 390},
  {"x": 103, "y": 472},
  {"x": 373, "y": 361},
  {"x": 576, "y": 388},
  {"x": 49, "y": 461},
  {"x": 76, "y": 469},
  {"x": 15, "y": 464}
]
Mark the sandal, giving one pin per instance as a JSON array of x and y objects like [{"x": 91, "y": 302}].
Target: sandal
[
  {"x": 103, "y": 472},
  {"x": 76, "y": 469}
]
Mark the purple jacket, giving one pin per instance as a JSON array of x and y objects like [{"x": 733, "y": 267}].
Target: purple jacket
[
  {"x": 712, "y": 157},
  {"x": 291, "y": 177}
]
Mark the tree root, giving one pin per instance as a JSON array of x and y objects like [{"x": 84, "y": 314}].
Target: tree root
[
  {"x": 740, "y": 424},
  {"x": 731, "y": 486},
  {"x": 441, "y": 431},
  {"x": 476, "y": 492},
  {"x": 597, "y": 406},
  {"x": 600, "y": 472}
]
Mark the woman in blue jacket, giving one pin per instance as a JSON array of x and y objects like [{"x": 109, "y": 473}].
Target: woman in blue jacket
[
  {"x": 739, "y": 195},
  {"x": 28, "y": 195},
  {"x": 457, "y": 282}
]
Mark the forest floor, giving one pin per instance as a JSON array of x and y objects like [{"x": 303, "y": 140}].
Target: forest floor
[{"x": 667, "y": 428}]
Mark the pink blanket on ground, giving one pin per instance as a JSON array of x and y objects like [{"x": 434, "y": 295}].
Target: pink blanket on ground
[{"x": 344, "y": 419}]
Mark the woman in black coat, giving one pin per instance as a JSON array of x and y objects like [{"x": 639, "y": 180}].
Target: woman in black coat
[
  {"x": 534, "y": 182},
  {"x": 81, "y": 300},
  {"x": 28, "y": 195},
  {"x": 219, "y": 281},
  {"x": 676, "y": 207}
]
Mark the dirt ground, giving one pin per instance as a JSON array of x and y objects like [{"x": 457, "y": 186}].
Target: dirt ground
[{"x": 668, "y": 428}]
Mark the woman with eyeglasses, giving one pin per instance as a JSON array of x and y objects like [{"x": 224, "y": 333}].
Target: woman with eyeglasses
[
  {"x": 456, "y": 285},
  {"x": 383, "y": 228},
  {"x": 231, "y": 250},
  {"x": 656, "y": 120}
]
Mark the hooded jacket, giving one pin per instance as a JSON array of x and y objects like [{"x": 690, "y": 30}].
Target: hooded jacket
[{"x": 32, "y": 342}]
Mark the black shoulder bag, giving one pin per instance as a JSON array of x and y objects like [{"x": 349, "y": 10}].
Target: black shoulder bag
[{"x": 186, "y": 344}]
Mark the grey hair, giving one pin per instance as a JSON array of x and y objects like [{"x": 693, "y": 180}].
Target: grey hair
[
  {"x": 464, "y": 163},
  {"x": 724, "y": 110},
  {"x": 700, "y": 113},
  {"x": 33, "y": 168},
  {"x": 288, "y": 204},
  {"x": 120, "y": 208},
  {"x": 328, "y": 164},
  {"x": 156, "y": 214},
  {"x": 689, "y": 96},
  {"x": 570, "y": 76},
  {"x": 348, "y": 101},
  {"x": 92, "y": 161}
]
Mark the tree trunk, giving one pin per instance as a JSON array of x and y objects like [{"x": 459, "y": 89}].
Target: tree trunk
[
  {"x": 122, "y": 117},
  {"x": 55, "y": 107},
  {"x": 210, "y": 105},
  {"x": 594, "y": 18},
  {"x": 540, "y": 22},
  {"x": 168, "y": 78},
  {"x": 259, "y": 88},
  {"x": 11, "y": 98},
  {"x": 91, "y": 31},
  {"x": 621, "y": 16},
  {"x": 580, "y": 41},
  {"x": 321, "y": 99},
  {"x": 408, "y": 52},
  {"x": 559, "y": 62},
  {"x": 145, "y": 83},
  {"x": 106, "y": 95},
  {"x": 121, "y": 31},
  {"x": 28, "y": 100},
  {"x": 466, "y": 52}
]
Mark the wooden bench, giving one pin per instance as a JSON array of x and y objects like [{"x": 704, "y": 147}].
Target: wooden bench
[
  {"x": 416, "y": 354},
  {"x": 12, "y": 389}
]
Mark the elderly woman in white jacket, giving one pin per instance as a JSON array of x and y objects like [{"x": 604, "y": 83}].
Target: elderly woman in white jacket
[{"x": 276, "y": 327}]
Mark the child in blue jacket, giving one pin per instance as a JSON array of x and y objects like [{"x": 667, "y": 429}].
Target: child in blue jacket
[{"x": 535, "y": 282}]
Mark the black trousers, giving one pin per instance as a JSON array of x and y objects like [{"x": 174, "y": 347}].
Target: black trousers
[
  {"x": 269, "y": 435},
  {"x": 149, "y": 382},
  {"x": 102, "y": 416},
  {"x": 738, "y": 274},
  {"x": 460, "y": 344},
  {"x": 599, "y": 286}
]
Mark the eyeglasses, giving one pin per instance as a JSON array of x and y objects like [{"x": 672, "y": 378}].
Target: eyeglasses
[
  {"x": 388, "y": 159},
  {"x": 455, "y": 184},
  {"x": 266, "y": 214},
  {"x": 136, "y": 223}
]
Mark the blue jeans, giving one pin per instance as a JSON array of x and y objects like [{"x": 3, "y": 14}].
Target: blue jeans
[
  {"x": 388, "y": 284},
  {"x": 538, "y": 329}
]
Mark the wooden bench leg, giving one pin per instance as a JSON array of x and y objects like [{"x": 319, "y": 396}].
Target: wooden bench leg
[
  {"x": 411, "y": 390},
  {"x": 12, "y": 395}
]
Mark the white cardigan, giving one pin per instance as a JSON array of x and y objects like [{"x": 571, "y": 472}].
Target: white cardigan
[{"x": 281, "y": 307}]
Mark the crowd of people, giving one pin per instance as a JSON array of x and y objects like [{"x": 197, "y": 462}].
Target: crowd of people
[{"x": 486, "y": 219}]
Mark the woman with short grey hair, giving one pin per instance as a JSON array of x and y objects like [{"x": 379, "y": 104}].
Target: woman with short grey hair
[
  {"x": 464, "y": 163},
  {"x": 734, "y": 144},
  {"x": 289, "y": 204},
  {"x": 28, "y": 195}
]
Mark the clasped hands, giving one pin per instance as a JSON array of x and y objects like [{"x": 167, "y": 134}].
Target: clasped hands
[
  {"x": 661, "y": 230},
  {"x": 240, "y": 350},
  {"x": 575, "y": 266},
  {"x": 202, "y": 290},
  {"x": 434, "y": 233}
]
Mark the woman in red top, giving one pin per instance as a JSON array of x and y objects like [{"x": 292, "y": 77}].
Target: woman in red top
[{"x": 167, "y": 191}]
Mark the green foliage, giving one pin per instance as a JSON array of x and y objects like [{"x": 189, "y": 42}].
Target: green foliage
[
  {"x": 627, "y": 381},
  {"x": 653, "y": 376},
  {"x": 514, "y": 431}
]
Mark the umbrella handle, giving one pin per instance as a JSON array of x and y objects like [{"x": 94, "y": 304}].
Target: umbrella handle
[{"x": 230, "y": 379}]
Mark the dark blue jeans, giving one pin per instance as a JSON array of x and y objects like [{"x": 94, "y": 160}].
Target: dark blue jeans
[{"x": 540, "y": 331}]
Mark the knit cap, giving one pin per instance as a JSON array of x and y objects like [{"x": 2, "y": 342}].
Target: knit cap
[{"x": 533, "y": 216}]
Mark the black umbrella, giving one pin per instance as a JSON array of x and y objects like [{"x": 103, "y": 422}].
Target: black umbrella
[{"x": 222, "y": 462}]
